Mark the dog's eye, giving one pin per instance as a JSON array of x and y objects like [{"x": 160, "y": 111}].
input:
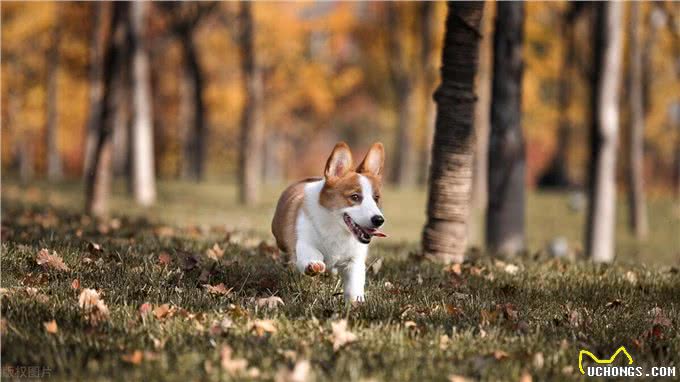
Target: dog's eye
[
  {"x": 376, "y": 198},
  {"x": 355, "y": 197}
]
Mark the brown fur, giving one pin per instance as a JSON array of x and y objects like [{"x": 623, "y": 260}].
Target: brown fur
[{"x": 283, "y": 224}]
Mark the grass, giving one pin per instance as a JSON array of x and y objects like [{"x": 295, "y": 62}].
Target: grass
[{"x": 422, "y": 321}]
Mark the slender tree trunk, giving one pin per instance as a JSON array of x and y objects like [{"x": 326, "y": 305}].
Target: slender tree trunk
[
  {"x": 252, "y": 124},
  {"x": 98, "y": 175},
  {"x": 482, "y": 121},
  {"x": 636, "y": 195},
  {"x": 604, "y": 136},
  {"x": 429, "y": 76},
  {"x": 143, "y": 174},
  {"x": 445, "y": 233},
  {"x": 26, "y": 157},
  {"x": 557, "y": 173},
  {"x": 121, "y": 117},
  {"x": 404, "y": 171},
  {"x": 194, "y": 149},
  {"x": 505, "y": 211},
  {"x": 102, "y": 21},
  {"x": 55, "y": 170}
]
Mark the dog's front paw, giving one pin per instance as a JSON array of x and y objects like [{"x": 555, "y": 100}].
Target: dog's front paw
[{"x": 315, "y": 268}]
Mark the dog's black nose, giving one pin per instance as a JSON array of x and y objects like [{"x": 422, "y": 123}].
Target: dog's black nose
[{"x": 377, "y": 220}]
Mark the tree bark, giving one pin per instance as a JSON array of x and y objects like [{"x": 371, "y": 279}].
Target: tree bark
[
  {"x": 55, "y": 169},
  {"x": 636, "y": 196},
  {"x": 252, "y": 124},
  {"x": 143, "y": 174},
  {"x": 98, "y": 175},
  {"x": 506, "y": 180},
  {"x": 429, "y": 77},
  {"x": 404, "y": 171},
  {"x": 445, "y": 233},
  {"x": 482, "y": 121},
  {"x": 102, "y": 19},
  {"x": 194, "y": 140},
  {"x": 604, "y": 136}
]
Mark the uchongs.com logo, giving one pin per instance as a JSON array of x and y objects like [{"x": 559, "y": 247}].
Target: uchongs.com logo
[{"x": 604, "y": 367}]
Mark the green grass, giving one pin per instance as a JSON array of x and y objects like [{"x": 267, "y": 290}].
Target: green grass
[{"x": 549, "y": 306}]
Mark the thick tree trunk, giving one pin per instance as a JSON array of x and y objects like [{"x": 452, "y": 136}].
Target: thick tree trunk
[
  {"x": 604, "y": 136},
  {"x": 143, "y": 174},
  {"x": 55, "y": 170},
  {"x": 193, "y": 115},
  {"x": 636, "y": 196},
  {"x": 445, "y": 233},
  {"x": 482, "y": 121},
  {"x": 98, "y": 175},
  {"x": 404, "y": 170},
  {"x": 252, "y": 124},
  {"x": 102, "y": 21},
  {"x": 505, "y": 211}
]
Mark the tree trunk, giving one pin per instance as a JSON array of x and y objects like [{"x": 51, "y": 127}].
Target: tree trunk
[
  {"x": 445, "y": 233},
  {"x": 55, "y": 170},
  {"x": 605, "y": 125},
  {"x": 505, "y": 211},
  {"x": 121, "y": 118},
  {"x": 404, "y": 171},
  {"x": 482, "y": 120},
  {"x": 26, "y": 158},
  {"x": 143, "y": 176},
  {"x": 557, "y": 173},
  {"x": 194, "y": 125},
  {"x": 429, "y": 77},
  {"x": 636, "y": 195},
  {"x": 102, "y": 19},
  {"x": 98, "y": 175},
  {"x": 252, "y": 124}
]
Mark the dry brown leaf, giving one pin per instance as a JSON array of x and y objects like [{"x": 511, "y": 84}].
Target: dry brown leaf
[
  {"x": 52, "y": 261},
  {"x": 215, "y": 252},
  {"x": 341, "y": 336},
  {"x": 217, "y": 289},
  {"x": 525, "y": 377},
  {"x": 459, "y": 378},
  {"x": 231, "y": 365},
  {"x": 134, "y": 358},
  {"x": 51, "y": 327},
  {"x": 164, "y": 258},
  {"x": 260, "y": 327},
  {"x": 75, "y": 284},
  {"x": 453, "y": 310},
  {"x": 161, "y": 311},
  {"x": 500, "y": 354},
  {"x": 164, "y": 231},
  {"x": 270, "y": 302},
  {"x": 93, "y": 306}
]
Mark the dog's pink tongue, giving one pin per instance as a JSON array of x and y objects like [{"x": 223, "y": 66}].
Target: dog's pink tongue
[{"x": 378, "y": 233}]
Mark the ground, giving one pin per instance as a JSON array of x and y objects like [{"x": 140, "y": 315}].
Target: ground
[{"x": 186, "y": 294}]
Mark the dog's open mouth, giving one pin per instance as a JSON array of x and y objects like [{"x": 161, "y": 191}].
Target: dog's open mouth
[{"x": 362, "y": 234}]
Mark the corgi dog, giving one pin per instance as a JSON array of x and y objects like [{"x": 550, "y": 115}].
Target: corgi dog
[{"x": 327, "y": 223}]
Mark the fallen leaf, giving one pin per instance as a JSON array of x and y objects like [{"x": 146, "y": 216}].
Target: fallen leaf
[
  {"x": 51, "y": 327},
  {"x": 164, "y": 258},
  {"x": 161, "y": 311},
  {"x": 94, "y": 248},
  {"x": 75, "y": 284},
  {"x": 260, "y": 327},
  {"x": 215, "y": 252},
  {"x": 93, "y": 306},
  {"x": 300, "y": 373},
  {"x": 231, "y": 365},
  {"x": 499, "y": 355},
  {"x": 164, "y": 231},
  {"x": 453, "y": 310},
  {"x": 270, "y": 302},
  {"x": 217, "y": 289},
  {"x": 512, "y": 269},
  {"x": 48, "y": 260},
  {"x": 459, "y": 378},
  {"x": 631, "y": 277},
  {"x": 341, "y": 336},
  {"x": 525, "y": 377},
  {"x": 134, "y": 358},
  {"x": 375, "y": 267},
  {"x": 613, "y": 304},
  {"x": 538, "y": 361}
]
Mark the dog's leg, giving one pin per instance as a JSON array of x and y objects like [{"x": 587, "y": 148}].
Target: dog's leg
[
  {"x": 308, "y": 259},
  {"x": 354, "y": 277}
]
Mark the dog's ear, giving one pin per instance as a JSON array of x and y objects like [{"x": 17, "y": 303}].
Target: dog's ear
[
  {"x": 373, "y": 161},
  {"x": 340, "y": 161}
]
